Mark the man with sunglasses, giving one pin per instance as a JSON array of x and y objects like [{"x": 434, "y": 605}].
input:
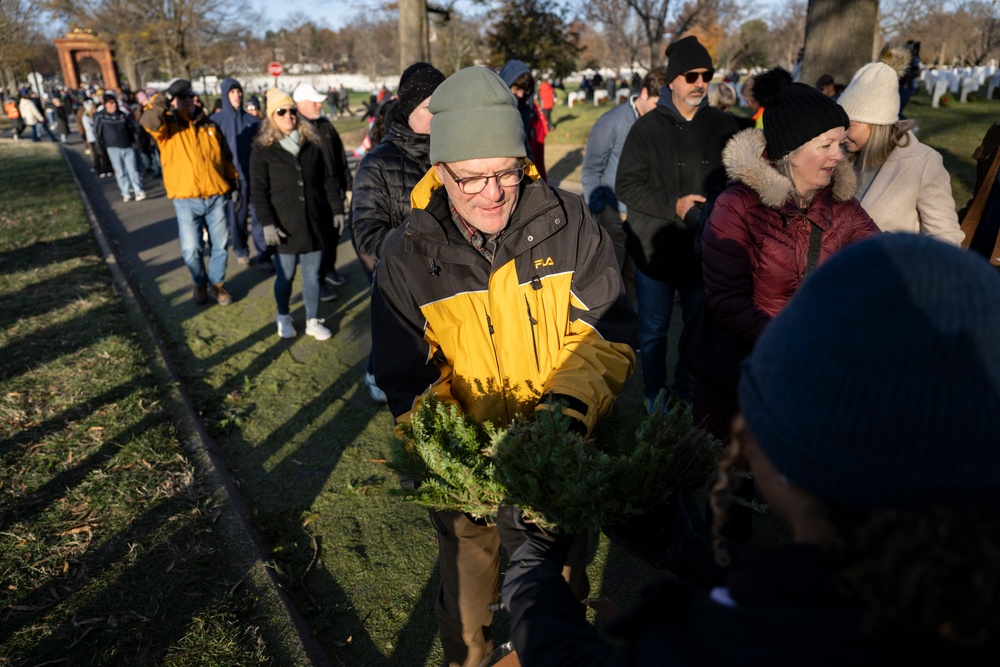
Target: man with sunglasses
[
  {"x": 669, "y": 175},
  {"x": 499, "y": 294},
  {"x": 199, "y": 176}
]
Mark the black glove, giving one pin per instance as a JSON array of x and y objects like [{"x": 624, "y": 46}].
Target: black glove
[
  {"x": 518, "y": 536},
  {"x": 273, "y": 235},
  {"x": 338, "y": 222},
  {"x": 236, "y": 198}
]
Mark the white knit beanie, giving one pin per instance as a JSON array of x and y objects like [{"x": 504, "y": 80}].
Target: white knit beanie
[{"x": 873, "y": 95}]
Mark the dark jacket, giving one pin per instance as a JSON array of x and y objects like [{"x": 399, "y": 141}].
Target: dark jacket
[
  {"x": 666, "y": 157},
  {"x": 238, "y": 129},
  {"x": 779, "y": 608},
  {"x": 756, "y": 243},
  {"x": 535, "y": 127},
  {"x": 548, "y": 316},
  {"x": 114, "y": 130},
  {"x": 337, "y": 159},
  {"x": 293, "y": 193},
  {"x": 382, "y": 185}
]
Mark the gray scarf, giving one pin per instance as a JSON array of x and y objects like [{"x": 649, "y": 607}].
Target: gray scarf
[{"x": 290, "y": 142}]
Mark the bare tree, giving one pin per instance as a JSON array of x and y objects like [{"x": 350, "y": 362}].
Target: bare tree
[
  {"x": 458, "y": 42},
  {"x": 16, "y": 17},
  {"x": 623, "y": 28}
]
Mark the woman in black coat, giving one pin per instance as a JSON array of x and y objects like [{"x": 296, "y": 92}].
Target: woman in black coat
[{"x": 293, "y": 190}]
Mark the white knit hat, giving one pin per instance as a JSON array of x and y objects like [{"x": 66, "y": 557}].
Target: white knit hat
[{"x": 873, "y": 95}]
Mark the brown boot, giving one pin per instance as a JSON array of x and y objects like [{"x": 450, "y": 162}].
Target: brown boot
[
  {"x": 219, "y": 293},
  {"x": 200, "y": 294}
]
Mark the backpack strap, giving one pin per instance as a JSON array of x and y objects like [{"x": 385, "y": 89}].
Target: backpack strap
[{"x": 815, "y": 240}]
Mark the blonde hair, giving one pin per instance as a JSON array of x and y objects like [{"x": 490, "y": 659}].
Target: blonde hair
[
  {"x": 269, "y": 132},
  {"x": 721, "y": 96},
  {"x": 882, "y": 141},
  {"x": 784, "y": 167}
]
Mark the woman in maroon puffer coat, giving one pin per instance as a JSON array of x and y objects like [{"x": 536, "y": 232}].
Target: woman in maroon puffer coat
[{"x": 790, "y": 187}]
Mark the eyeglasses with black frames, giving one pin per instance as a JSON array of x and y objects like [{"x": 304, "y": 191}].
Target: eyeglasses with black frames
[
  {"x": 291, "y": 110},
  {"x": 692, "y": 77},
  {"x": 473, "y": 185}
]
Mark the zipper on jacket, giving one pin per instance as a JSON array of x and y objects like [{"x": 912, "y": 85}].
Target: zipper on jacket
[
  {"x": 500, "y": 374},
  {"x": 534, "y": 323}
]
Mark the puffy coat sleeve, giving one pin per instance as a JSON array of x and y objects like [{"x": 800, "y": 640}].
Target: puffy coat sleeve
[
  {"x": 597, "y": 354},
  {"x": 372, "y": 206},
  {"x": 861, "y": 224},
  {"x": 727, "y": 268},
  {"x": 407, "y": 355},
  {"x": 935, "y": 203}
]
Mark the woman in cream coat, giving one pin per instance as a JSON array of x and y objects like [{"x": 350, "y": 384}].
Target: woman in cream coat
[{"x": 901, "y": 182}]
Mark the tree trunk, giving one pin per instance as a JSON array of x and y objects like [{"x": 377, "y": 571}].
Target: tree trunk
[
  {"x": 840, "y": 38},
  {"x": 414, "y": 37}
]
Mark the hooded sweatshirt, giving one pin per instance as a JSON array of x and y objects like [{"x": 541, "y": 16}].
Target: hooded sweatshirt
[{"x": 238, "y": 129}]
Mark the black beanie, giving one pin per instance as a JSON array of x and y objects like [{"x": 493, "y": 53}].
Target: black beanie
[
  {"x": 685, "y": 55},
  {"x": 794, "y": 113},
  {"x": 416, "y": 84},
  {"x": 878, "y": 386}
]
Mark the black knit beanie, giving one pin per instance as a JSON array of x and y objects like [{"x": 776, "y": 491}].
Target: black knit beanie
[
  {"x": 878, "y": 386},
  {"x": 416, "y": 84},
  {"x": 794, "y": 113},
  {"x": 685, "y": 55}
]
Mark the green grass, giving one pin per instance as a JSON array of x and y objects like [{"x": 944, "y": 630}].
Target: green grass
[{"x": 108, "y": 550}]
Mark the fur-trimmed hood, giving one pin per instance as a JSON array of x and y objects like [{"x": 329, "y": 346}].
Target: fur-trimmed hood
[{"x": 744, "y": 160}]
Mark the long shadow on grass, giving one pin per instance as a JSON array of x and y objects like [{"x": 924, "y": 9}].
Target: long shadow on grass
[
  {"x": 45, "y": 345},
  {"x": 52, "y": 294},
  {"x": 45, "y": 253},
  {"x": 144, "y": 610},
  {"x": 27, "y": 507}
]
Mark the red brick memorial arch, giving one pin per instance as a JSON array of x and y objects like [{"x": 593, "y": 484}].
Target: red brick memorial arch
[{"x": 79, "y": 45}]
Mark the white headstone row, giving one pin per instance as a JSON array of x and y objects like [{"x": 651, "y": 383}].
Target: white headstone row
[{"x": 960, "y": 81}]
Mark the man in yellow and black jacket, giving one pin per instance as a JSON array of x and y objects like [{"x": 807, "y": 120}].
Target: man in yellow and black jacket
[
  {"x": 199, "y": 176},
  {"x": 498, "y": 294}
]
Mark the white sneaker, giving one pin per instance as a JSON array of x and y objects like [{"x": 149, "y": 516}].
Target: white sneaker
[
  {"x": 126, "y": 197},
  {"x": 139, "y": 196},
  {"x": 315, "y": 328},
  {"x": 377, "y": 394},
  {"x": 285, "y": 327}
]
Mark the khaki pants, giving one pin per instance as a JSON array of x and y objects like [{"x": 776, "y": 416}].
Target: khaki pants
[{"x": 469, "y": 559}]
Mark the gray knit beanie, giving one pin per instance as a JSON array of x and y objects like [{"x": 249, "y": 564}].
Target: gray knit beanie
[
  {"x": 878, "y": 386},
  {"x": 475, "y": 116}
]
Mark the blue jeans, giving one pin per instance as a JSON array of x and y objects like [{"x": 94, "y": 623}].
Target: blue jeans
[
  {"x": 36, "y": 135},
  {"x": 285, "y": 273},
  {"x": 193, "y": 215},
  {"x": 126, "y": 171},
  {"x": 656, "y": 306}
]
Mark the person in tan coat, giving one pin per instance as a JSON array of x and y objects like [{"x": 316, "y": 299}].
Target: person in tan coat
[{"x": 902, "y": 183}]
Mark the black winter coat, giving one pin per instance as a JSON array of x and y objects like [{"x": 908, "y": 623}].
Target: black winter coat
[
  {"x": 294, "y": 193},
  {"x": 338, "y": 159},
  {"x": 382, "y": 185},
  {"x": 778, "y": 608},
  {"x": 666, "y": 157}
]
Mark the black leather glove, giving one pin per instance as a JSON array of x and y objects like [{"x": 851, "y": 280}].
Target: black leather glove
[
  {"x": 517, "y": 535},
  {"x": 273, "y": 235},
  {"x": 236, "y": 198}
]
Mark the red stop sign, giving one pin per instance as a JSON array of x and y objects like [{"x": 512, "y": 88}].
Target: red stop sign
[{"x": 275, "y": 69}]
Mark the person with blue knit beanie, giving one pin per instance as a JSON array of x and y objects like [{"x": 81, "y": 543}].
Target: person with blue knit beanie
[{"x": 869, "y": 409}]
